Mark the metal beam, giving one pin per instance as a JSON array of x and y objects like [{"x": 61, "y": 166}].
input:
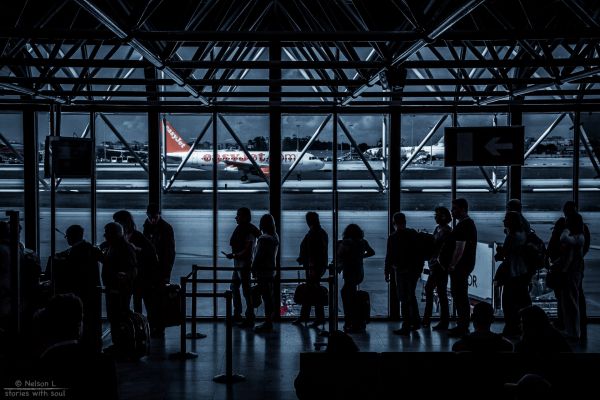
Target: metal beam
[
  {"x": 419, "y": 44},
  {"x": 114, "y": 27}
]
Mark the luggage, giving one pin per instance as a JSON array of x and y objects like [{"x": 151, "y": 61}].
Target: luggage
[
  {"x": 363, "y": 306},
  {"x": 311, "y": 295},
  {"x": 134, "y": 335},
  {"x": 169, "y": 305}
]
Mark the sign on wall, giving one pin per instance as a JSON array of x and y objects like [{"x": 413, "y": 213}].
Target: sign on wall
[{"x": 484, "y": 145}]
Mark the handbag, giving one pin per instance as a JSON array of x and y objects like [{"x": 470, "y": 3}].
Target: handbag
[
  {"x": 554, "y": 278},
  {"x": 313, "y": 295}
]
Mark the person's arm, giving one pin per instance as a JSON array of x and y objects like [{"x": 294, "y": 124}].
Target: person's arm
[
  {"x": 368, "y": 250},
  {"x": 459, "y": 250}
]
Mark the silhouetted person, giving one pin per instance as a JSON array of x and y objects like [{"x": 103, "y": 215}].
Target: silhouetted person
[
  {"x": 538, "y": 336},
  {"x": 438, "y": 270},
  {"x": 351, "y": 251},
  {"x": 160, "y": 233},
  {"x": 149, "y": 279},
  {"x": 242, "y": 247},
  {"x": 263, "y": 268},
  {"x": 76, "y": 271},
  {"x": 569, "y": 265},
  {"x": 118, "y": 274},
  {"x": 65, "y": 361},
  {"x": 570, "y": 209},
  {"x": 515, "y": 293},
  {"x": 464, "y": 237},
  {"x": 483, "y": 340},
  {"x": 314, "y": 258},
  {"x": 402, "y": 256}
]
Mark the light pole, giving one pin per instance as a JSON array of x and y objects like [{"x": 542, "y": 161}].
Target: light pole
[{"x": 297, "y": 137}]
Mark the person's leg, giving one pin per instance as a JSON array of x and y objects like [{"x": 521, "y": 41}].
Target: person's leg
[
  {"x": 415, "y": 318},
  {"x": 429, "y": 286},
  {"x": 582, "y": 310},
  {"x": 403, "y": 293},
  {"x": 441, "y": 282},
  {"x": 237, "y": 299},
  {"x": 347, "y": 300},
  {"x": 459, "y": 286},
  {"x": 247, "y": 291}
]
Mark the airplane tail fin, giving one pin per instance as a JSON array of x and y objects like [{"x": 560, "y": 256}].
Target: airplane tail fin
[{"x": 175, "y": 143}]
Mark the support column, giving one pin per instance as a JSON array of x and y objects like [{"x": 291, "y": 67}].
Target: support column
[
  {"x": 515, "y": 118},
  {"x": 576, "y": 145},
  {"x": 275, "y": 153},
  {"x": 154, "y": 141},
  {"x": 30, "y": 179},
  {"x": 394, "y": 186}
]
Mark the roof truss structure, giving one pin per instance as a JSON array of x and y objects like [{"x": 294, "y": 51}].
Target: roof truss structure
[{"x": 341, "y": 53}]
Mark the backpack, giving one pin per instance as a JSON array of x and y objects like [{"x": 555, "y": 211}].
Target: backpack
[{"x": 534, "y": 252}]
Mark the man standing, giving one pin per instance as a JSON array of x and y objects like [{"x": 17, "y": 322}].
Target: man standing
[
  {"x": 160, "y": 233},
  {"x": 80, "y": 275},
  {"x": 242, "y": 246},
  {"x": 464, "y": 237},
  {"x": 404, "y": 257},
  {"x": 313, "y": 257}
]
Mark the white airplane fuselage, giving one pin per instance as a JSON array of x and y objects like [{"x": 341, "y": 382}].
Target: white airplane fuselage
[{"x": 203, "y": 159}]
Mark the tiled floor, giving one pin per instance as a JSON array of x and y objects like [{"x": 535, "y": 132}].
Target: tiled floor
[{"x": 269, "y": 362}]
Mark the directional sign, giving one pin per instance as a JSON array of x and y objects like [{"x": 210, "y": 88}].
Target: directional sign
[{"x": 484, "y": 145}]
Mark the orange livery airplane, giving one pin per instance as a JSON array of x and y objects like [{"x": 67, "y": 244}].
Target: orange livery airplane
[{"x": 236, "y": 160}]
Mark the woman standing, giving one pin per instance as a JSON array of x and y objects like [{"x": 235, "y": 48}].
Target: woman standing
[
  {"x": 263, "y": 268},
  {"x": 351, "y": 251},
  {"x": 438, "y": 271}
]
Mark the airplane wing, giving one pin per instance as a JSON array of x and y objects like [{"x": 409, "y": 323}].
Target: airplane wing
[{"x": 246, "y": 168}]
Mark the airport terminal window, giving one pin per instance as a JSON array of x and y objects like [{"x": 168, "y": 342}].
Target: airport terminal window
[
  {"x": 239, "y": 184},
  {"x": 425, "y": 183},
  {"x": 73, "y": 195},
  {"x": 11, "y": 163},
  {"x": 307, "y": 188},
  {"x": 361, "y": 200}
]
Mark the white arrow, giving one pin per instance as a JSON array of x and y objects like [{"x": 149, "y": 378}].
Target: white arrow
[{"x": 493, "y": 146}]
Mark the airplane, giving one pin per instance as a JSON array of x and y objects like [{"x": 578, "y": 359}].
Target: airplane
[
  {"x": 236, "y": 160},
  {"x": 435, "y": 152}
]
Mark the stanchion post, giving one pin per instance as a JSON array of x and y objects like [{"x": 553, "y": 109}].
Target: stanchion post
[
  {"x": 229, "y": 377},
  {"x": 194, "y": 305},
  {"x": 194, "y": 334},
  {"x": 183, "y": 353}
]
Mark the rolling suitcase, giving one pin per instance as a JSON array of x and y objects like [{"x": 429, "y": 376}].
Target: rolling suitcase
[{"x": 134, "y": 335}]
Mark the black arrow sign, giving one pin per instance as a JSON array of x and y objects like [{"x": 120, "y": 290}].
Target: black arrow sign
[{"x": 475, "y": 146}]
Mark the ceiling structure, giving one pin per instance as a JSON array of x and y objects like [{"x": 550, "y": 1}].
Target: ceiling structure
[{"x": 353, "y": 54}]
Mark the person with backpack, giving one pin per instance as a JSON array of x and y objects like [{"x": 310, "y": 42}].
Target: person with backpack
[
  {"x": 404, "y": 257},
  {"x": 515, "y": 294}
]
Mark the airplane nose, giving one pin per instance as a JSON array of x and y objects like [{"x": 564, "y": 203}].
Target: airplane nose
[{"x": 320, "y": 164}]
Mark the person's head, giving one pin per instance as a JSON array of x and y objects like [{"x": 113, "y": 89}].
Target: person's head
[
  {"x": 574, "y": 224},
  {"x": 354, "y": 232},
  {"x": 460, "y": 208},
  {"x": 153, "y": 213},
  {"x": 512, "y": 221},
  {"x": 341, "y": 343},
  {"x": 267, "y": 224},
  {"x": 530, "y": 386},
  {"x": 125, "y": 218},
  {"x": 243, "y": 215},
  {"x": 61, "y": 319},
  {"x": 113, "y": 231},
  {"x": 569, "y": 208},
  {"x": 442, "y": 216},
  {"x": 534, "y": 321},
  {"x": 399, "y": 220},
  {"x": 4, "y": 231},
  {"x": 74, "y": 234},
  {"x": 482, "y": 316},
  {"x": 514, "y": 205},
  {"x": 312, "y": 219}
]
